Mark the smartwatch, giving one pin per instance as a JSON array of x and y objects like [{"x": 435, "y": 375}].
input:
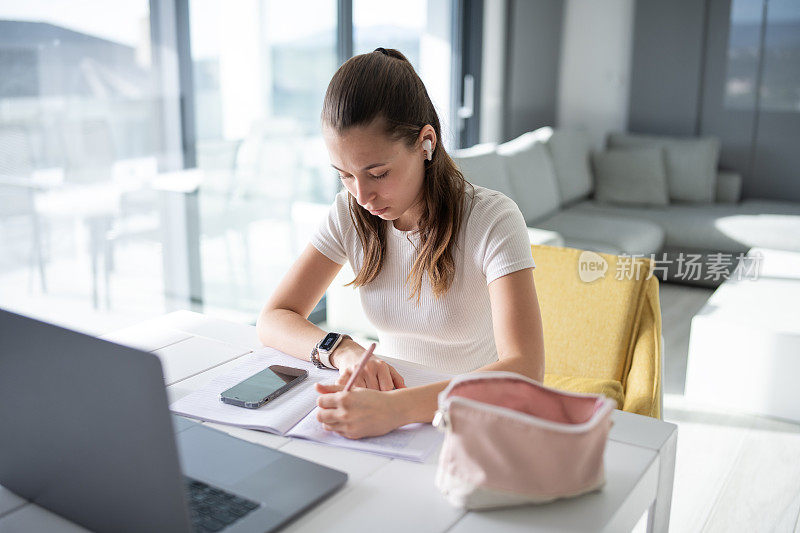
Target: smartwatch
[{"x": 324, "y": 348}]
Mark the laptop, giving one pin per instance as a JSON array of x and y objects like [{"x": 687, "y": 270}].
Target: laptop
[{"x": 87, "y": 433}]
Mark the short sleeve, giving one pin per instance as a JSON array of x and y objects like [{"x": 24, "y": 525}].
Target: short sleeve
[
  {"x": 329, "y": 235},
  {"x": 508, "y": 246}
]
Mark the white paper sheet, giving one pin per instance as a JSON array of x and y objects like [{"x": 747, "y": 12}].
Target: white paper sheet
[
  {"x": 294, "y": 413},
  {"x": 413, "y": 442},
  {"x": 277, "y": 416}
]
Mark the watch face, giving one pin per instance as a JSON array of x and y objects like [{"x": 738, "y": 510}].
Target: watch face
[{"x": 328, "y": 341}]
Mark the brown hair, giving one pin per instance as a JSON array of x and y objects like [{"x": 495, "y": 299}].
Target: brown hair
[{"x": 383, "y": 85}]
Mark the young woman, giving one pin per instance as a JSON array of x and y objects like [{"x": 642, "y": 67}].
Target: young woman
[{"x": 444, "y": 268}]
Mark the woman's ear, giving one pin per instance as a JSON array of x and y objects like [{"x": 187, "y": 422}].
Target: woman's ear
[{"x": 428, "y": 140}]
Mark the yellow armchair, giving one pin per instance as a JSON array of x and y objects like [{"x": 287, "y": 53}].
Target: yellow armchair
[{"x": 601, "y": 335}]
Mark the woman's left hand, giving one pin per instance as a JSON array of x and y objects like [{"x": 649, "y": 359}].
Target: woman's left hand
[{"x": 359, "y": 412}]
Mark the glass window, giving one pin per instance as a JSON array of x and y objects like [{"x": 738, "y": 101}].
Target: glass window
[
  {"x": 261, "y": 68},
  {"x": 744, "y": 41},
  {"x": 780, "y": 64},
  {"x": 81, "y": 137},
  {"x": 780, "y": 85},
  {"x": 421, "y": 30},
  {"x": 91, "y": 213}
]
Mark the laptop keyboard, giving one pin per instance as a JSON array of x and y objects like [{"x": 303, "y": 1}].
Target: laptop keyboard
[{"x": 213, "y": 509}]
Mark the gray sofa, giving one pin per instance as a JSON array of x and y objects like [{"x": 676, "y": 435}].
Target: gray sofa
[
  {"x": 686, "y": 206},
  {"x": 552, "y": 177}
]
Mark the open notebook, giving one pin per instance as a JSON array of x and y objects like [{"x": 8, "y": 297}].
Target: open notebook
[{"x": 294, "y": 414}]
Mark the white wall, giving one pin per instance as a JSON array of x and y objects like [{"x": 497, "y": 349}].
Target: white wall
[
  {"x": 534, "y": 36},
  {"x": 594, "y": 73}
]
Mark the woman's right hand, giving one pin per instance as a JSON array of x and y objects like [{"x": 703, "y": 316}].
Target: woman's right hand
[{"x": 377, "y": 373}]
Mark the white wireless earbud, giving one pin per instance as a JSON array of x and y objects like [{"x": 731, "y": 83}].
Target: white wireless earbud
[{"x": 427, "y": 147}]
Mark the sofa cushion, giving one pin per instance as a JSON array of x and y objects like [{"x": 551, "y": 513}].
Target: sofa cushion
[
  {"x": 635, "y": 176},
  {"x": 691, "y": 163},
  {"x": 532, "y": 176},
  {"x": 481, "y": 165},
  {"x": 609, "y": 387},
  {"x": 605, "y": 233},
  {"x": 729, "y": 187},
  {"x": 770, "y": 207},
  {"x": 771, "y": 224},
  {"x": 725, "y": 228},
  {"x": 545, "y": 236},
  {"x": 569, "y": 150},
  {"x": 594, "y": 246}
]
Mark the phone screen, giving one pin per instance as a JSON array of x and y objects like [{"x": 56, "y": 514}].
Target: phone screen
[{"x": 257, "y": 387}]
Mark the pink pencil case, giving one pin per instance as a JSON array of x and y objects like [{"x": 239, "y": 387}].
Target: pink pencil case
[{"x": 509, "y": 440}]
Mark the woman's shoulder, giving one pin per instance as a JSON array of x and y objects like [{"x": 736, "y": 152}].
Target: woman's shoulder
[
  {"x": 339, "y": 216},
  {"x": 341, "y": 208},
  {"x": 340, "y": 200}
]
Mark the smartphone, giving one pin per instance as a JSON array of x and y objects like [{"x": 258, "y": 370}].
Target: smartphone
[{"x": 260, "y": 388}]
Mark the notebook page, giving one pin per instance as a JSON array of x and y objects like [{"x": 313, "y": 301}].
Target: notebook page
[
  {"x": 413, "y": 442},
  {"x": 276, "y": 416}
]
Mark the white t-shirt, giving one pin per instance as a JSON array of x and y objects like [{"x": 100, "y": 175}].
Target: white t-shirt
[{"x": 453, "y": 334}]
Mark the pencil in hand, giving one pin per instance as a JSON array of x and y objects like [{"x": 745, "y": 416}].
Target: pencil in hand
[{"x": 360, "y": 367}]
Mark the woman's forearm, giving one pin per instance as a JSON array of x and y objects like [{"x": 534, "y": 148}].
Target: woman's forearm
[
  {"x": 419, "y": 404},
  {"x": 292, "y": 334},
  {"x": 288, "y": 332},
  {"x": 526, "y": 366}
]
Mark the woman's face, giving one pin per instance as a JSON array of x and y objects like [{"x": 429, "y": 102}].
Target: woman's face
[{"x": 384, "y": 176}]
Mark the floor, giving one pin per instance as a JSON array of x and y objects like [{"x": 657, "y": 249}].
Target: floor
[{"x": 734, "y": 472}]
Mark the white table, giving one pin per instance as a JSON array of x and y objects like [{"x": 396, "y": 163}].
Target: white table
[
  {"x": 395, "y": 495},
  {"x": 744, "y": 344}
]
